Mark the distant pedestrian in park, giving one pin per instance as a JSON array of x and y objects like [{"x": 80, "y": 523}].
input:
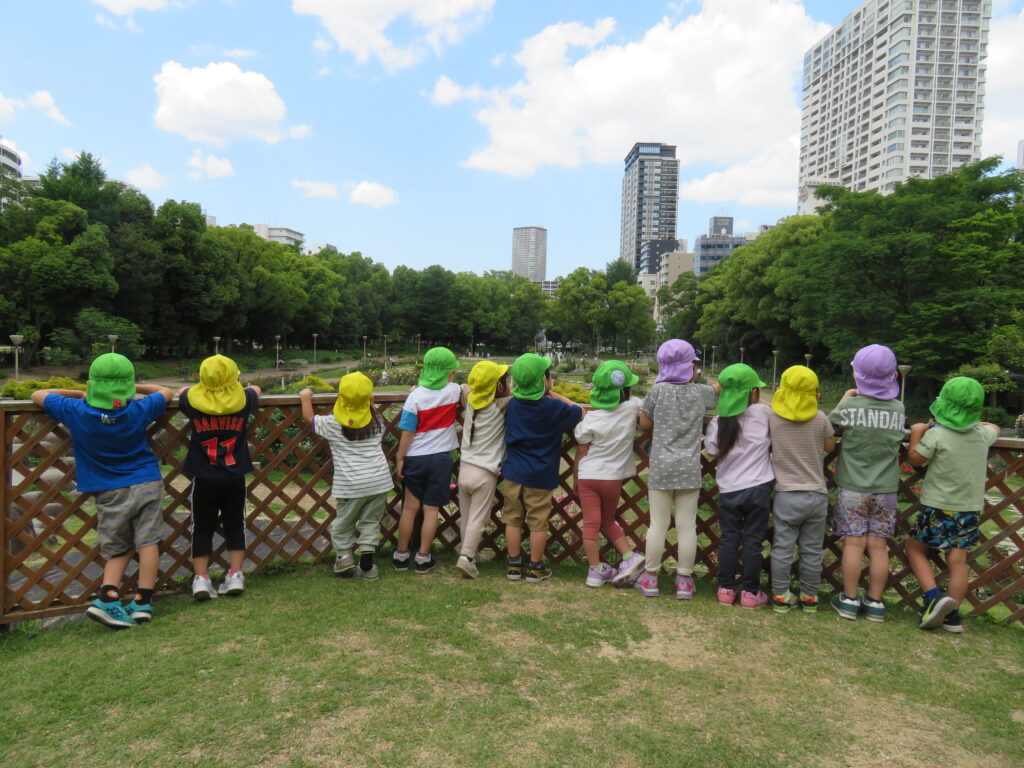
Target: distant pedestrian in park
[
  {"x": 424, "y": 459},
  {"x": 955, "y": 448},
  {"x": 536, "y": 420},
  {"x": 361, "y": 478},
  {"x": 484, "y": 403},
  {"x": 604, "y": 459},
  {"x": 800, "y": 434},
  {"x": 674, "y": 409},
  {"x": 113, "y": 461},
  {"x": 218, "y": 408},
  {"x": 869, "y": 418},
  {"x": 740, "y": 437}
]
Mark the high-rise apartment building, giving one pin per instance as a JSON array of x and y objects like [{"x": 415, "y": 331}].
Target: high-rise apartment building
[
  {"x": 650, "y": 189},
  {"x": 896, "y": 90},
  {"x": 530, "y": 253}
]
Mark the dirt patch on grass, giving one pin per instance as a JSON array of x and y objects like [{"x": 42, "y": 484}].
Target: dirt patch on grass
[
  {"x": 674, "y": 641},
  {"x": 1017, "y": 715}
]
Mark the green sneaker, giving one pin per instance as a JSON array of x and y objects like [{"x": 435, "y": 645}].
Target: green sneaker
[
  {"x": 874, "y": 610},
  {"x": 809, "y": 603},
  {"x": 783, "y": 603},
  {"x": 110, "y": 614},
  {"x": 845, "y": 607}
]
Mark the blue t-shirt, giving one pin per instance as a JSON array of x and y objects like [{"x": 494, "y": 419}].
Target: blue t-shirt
[
  {"x": 111, "y": 450},
  {"x": 533, "y": 434}
]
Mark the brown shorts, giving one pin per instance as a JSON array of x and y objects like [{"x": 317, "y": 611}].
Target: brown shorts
[{"x": 532, "y": 503}]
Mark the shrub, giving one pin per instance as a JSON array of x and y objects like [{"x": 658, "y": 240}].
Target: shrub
[
  {"x": 314, "y": 383},
  {"x": 22, "y": 390},
  {"x": 996, "y": 415},
  {"x": 573, "y": 391}
]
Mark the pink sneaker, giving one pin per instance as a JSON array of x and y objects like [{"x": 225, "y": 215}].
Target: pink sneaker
[
  {"x": 726, "y": 596},
  {"x": 684, "y": 587},
  {"x": 648, "y": 584},
  {"x": 753, "y": 600}
]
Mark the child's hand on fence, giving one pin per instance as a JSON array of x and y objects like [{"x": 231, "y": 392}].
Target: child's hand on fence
[
  {"x": 849, "y": 393},
  {"x": 400, "y": 468}
]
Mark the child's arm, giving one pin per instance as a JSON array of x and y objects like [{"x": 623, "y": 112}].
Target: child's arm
[
  {"x": 306, "y": 400},
  {"x": 716, "y": 386},
  {"x": 403, "y": 448},
  {"x": 916, "y": 433},
  {"x": 39, "y": 396},
  {"x": 846, "y": 394},
  {"x": 581, "y": 451},
  {"x": 153, "y": 389},
  {"x": 255, "y": 389}
]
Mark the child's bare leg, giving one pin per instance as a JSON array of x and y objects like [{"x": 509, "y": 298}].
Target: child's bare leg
[
  {"x": 622, "y": 546},
  {"x": 237, "y": 559},
  {"x": 917, "y": 554},
  {"x": 956, "y": 559},
  {"x": 114, "y": 569},
  {"x": 538, "y": 544},
  {"x": 878, "y": 566},
  {"x": 149, "y": 565},
  {"x": 410, "y": 506},
  {"x": 853, "y": 558},
  {"x": 201, "y": 565},
  {"x": 428, "y": 529},
  {"x": 513, "y": 541}
]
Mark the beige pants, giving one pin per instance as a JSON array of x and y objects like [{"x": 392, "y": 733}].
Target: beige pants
[
  {"x": 476, "y": 497},
  {"x": 661, "y": 503}
]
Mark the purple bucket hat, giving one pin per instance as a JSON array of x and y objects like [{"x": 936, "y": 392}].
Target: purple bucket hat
[
  {"x": 874, "y": 371},
  {"x": 675, "y": 362}
]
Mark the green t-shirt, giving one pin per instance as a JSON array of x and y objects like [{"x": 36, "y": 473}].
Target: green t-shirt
[
  {"x": 871, "y": 431},
  {"x": 957, "y": 464}
]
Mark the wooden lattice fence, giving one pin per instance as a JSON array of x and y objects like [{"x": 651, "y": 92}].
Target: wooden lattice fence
[{"x": 49, "y": 555}]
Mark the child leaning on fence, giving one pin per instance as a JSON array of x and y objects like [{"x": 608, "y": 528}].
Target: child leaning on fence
[
  {"x": 218, "y": 408},
  {"x": 604, "y": 460},
  {"x": 484, "y": 402},
  {"x": 362, "y": 479},
  {"x": 955, "y": 448},
  {"x": 674, "y": 409},
  {"x": 870, "y": 421},
  {"x": 740, "y": 436},
  {"x": 114, "y": 462}
]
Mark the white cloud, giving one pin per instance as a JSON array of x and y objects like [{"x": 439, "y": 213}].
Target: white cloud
[
  {"x": 144, "y": 177},
  {"x": 768, "y": 178},
  {"x": 323, "y": 71},
  {"x": 322, "y": 44},
  {"x": 103, "y": 21},
  {"x": 371, "y": 193},
  {"x": 128, "y": 7},
  {"x": 218, "y": 103},
  {"x": 26, "y": 161},
  {"x": 316, "y": 188},
  {"x": 43, "y": 101},
  {"x": 8, "y": 107},
  {"x": 498, "y": 60},
  {"x": 302, "y": 131},
  {"x": 720, "y": 84},
  {"x": 210, "y": 166},
  {"x": 240, "y": 53},
  {"x": 1004, "y": 108},
  {"x": 68, "y": 153},
  {"x": 361, "y": 27}
]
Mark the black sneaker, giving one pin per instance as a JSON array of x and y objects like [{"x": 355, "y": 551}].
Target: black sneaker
[
  {"x": 537, "y": 572},
  {"x": 952, "y": 623},
  {"x": 400, "y": 561},
  {"x": 424, "y": 566},
  {"x": 514, "y": 569},
  {"x": 936, "y": 610}
]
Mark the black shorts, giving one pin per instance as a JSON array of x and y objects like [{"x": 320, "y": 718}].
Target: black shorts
[
  {"x": 429, "y": 478},
  {"x": 214, "y": 501}
]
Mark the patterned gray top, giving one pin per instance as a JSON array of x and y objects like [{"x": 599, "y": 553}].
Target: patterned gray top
[{"x": 677, "y": 411}]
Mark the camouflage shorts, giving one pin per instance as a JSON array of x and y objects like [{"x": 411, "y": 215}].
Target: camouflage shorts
[{"x": 943, "y": 529}]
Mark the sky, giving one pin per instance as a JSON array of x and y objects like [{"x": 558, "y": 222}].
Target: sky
[{"x": 421, "y": 132}]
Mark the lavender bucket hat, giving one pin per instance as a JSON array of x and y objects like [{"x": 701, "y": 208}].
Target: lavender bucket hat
[
  {"x": 675, "y": 361},
  {"x": 874, "y": 371}
]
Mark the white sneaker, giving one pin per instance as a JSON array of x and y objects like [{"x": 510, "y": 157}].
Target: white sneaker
[
  {"x": 468, "y": 567},
  {"x": 233, "y": 586},
  {"x": 202, "y": 589}
]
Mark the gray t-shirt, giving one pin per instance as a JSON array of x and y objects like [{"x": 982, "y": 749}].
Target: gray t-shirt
[
  {"x": 872, "y": 431},
  {"x": 483, "y": 442},
  {"x": 798, "y": 452},
  {"x": 677, "y": 411}
]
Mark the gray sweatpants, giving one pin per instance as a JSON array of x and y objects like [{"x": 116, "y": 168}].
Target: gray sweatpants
[{"x": 799, "y": 518}]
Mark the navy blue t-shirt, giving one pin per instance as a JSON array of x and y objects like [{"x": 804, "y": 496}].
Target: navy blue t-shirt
[
  {"x": 111, "y": 449},
  {"x": 533, "y": 434},
  {"x": 219, "y": 448}
]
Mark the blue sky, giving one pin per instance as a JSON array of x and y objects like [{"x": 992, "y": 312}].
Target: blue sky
[{"x": 422, "y": 131}]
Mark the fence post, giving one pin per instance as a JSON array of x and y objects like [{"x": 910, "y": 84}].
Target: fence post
[{"x": 5, "y": 484}]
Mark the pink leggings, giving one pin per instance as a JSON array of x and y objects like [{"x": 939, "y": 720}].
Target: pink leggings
[{"x": 600, "y": 500}]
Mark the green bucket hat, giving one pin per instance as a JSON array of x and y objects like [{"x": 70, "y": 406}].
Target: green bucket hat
[
  {"x": 438, "y": 362},
  {"x": 609, "y": 380},
  {"x": 736, "y": 382},
  {"x": 111, "y": 382},
  {"x": 958, "y": 405},
  {"x": 528, "y": 376}
]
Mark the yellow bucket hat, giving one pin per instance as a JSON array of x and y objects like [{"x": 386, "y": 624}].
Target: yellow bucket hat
[
  {"x": 352, "y": 408},
  {"x": 797, "y": 396},
  {"x": 219, "y": 391},
  {"x": 483, "y": 380}
]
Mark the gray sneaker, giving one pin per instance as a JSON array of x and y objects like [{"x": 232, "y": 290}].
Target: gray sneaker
[
  {"x": 371, "y": 575},
  {"x": 344, "y": 565},
  {"x": 233, "y": 586},
  {"x": 202, "y": 589},
  {"x": 468, "y": 567}
]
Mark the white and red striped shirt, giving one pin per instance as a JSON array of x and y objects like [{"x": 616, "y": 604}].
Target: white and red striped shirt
[{"x": 431, "y": 415}]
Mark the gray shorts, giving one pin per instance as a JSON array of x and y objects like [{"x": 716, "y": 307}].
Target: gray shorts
[{"x": 130, "y": 517}]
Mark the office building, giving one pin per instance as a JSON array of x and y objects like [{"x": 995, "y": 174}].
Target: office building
[
  {"x": 896, "y": 90},
  {"x": 10, "y": 162},
  {"x": 530, "y": 253},
  {"x": 650, "y": 189},
  {"x": 549, "y": 287},
  {"x": 283, "y": 235},
  {"x": 713, "y": 248}
]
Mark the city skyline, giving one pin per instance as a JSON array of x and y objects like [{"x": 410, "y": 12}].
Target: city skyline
[{"x": 465, "y": 120}]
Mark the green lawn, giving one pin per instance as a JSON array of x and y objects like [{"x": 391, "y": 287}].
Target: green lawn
[{"x": 309, "y": 670}]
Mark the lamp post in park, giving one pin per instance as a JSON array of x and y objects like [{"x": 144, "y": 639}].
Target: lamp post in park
[
  {"x": 807, "y": 358},
  {"x": 314, "y": 347},
  {"x": 714, "y": 348},
  {"x": 904, "y": 370},
  {"x": 277, "y": 352},
  {"x": 775, "y": 366},
  {"x": 742, "y": 350},
  {"x": 417, "y": 347},
  {"x": 364, "y": 346},
  {"x": 216, "y": 345},
  {"x": 385, "y": 351},
  {"x": 112, "y": 338},
  {"x": 16, "y": 339}
]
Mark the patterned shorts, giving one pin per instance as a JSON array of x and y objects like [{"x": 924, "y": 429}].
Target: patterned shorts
[
  {"x": 865, "y": 514},
  {"x": 942, "y": 529}
]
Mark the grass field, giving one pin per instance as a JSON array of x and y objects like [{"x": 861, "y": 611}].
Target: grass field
[{"x": 308, "y": 670}]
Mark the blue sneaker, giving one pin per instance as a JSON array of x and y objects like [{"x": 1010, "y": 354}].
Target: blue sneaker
[
  {"x": 936, "y": 610},
  {"x": 141, "y": 612},
  {"x": 111, "y": 614}
]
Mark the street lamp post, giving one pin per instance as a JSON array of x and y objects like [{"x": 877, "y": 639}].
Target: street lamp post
[
  {"x": 807, "y": 358},
  {"x": 277, "y": 352},
  {"x": 364, "y": 346},
  {"x": 417, "y": 347},
  {"x": 714, "y": 349},
  {"x": 16, "y": 339},
  {"x": 385, "y": 351},
  {"x": 314, "y": 347},
  {"x": 742, "y": 350},
  {"x": 775, "y": 366},
  {"x": 216, "y": 345},
  {"x": 112, "y": 338},
  {"x": 904, "y": 370}
]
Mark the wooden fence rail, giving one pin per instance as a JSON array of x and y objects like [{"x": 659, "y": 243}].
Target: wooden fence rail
[{"x": 50, "y": 561}]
